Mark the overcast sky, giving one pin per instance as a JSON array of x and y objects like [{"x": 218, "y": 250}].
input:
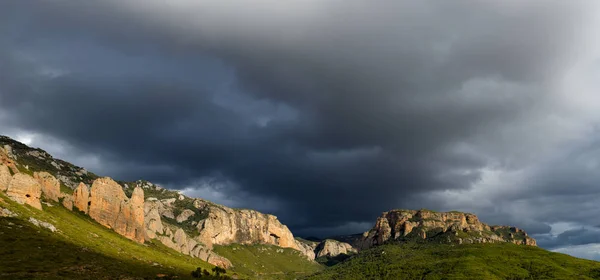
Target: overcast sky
[{"x": 323, "y": 112}]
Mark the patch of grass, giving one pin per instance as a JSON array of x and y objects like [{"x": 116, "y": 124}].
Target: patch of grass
[
  {"x": 81, "y": 249},
  {"x": 65, "y": 189},
  {"x": 473, "y": 261},
  {"x": 268, "y": 261}
]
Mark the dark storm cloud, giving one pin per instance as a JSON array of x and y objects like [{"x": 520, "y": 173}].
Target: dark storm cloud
[
  {"x": 322, "y": 112},
  {"x": 580, "y": 236}
]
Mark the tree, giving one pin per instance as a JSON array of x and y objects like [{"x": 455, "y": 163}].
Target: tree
[{"x": 218, "y": 270}]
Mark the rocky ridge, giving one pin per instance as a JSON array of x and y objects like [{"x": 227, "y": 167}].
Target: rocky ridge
[
  {"x": 438, "y": 227},
  {"x": 193, "y": 226},
  {"x": 140, "y": 210}
]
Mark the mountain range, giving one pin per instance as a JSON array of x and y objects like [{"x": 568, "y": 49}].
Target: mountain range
[{"x": 61, "y": 221}]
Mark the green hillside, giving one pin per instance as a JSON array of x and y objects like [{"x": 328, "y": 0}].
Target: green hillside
[
  {"x": 268, "y": 261},
  {"x": 80, "y": 249},
  {"x": 480, "y": 261}
]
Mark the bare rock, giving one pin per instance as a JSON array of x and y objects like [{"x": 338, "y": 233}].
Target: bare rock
[
  {"x": 67, "y": 201},
  {"x": 24, "y": 189},
  {"x": 185, "y": 215},
  {"x": 333, "y": 248},
  {"x": 5, "y": 177},
  {"x": 46, "y": 225},
  {"x": 50, "y": 185},
  {"x": 152, "y": 221},
  {"x": 307, "y": 249},
  {"x": 8, "y": 158},
  {"x": 226, "y": 226},
  {"x": 112, "y": 208},
  {"x": 81, "y": 198},
  {"x": 181, "y": 242},
  {"x": 7, "y": 213},
  {"x": 417, "y": 224}
]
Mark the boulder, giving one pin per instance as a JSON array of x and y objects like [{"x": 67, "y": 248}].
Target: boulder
[
  {"x": 185, "y": 215},
  {"x": 81, "y": 198},
  {"x": 24, "y": 189},
  {"x": 67, "y": 201},
  {"x": 42, "y": 224},
  {"x": 109, "y": 206},
  {"x": 5, "y": 177},
  {"x": 50, "y": 185}
]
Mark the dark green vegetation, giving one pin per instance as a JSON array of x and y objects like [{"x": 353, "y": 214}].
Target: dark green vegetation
[
  {"x": 480, "y": 261},
  {"x": 331, "y": 261},
  {"x": 81, "y": 249},
  {"x": 268, "y": 261}
]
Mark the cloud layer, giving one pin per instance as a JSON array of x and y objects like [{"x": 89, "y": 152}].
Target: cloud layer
[{"x": 325, "y": 113}]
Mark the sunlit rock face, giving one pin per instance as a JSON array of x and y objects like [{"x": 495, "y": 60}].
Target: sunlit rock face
[
  {"x": 444, "y": 227},
  {"x": 81, "y": 197},
  {"x": 24, "y": 189},
  {"x": 50, "y": 185},
  {"x": 109, "y": 206}
]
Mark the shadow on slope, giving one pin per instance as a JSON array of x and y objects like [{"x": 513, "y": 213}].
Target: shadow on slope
[{"x": 80, "y": 249}]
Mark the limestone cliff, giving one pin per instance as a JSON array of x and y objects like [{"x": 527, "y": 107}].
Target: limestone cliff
[
  {"x": 173, "y": 236},
  {"x": 225, "y": 226},
  {"x": 333, "y": 248},
  {"x": 81, "y": 198},
  {"x": 5, "y": 177},
  {"x": 25, "y": 189},
  {"x": 441, "y": 227},
  {"x": 207, "y": 224},
  {"x": 50, "y": 185},
  {"x": 109, "y": 206}
]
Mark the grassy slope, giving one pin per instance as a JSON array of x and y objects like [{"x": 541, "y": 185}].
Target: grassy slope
[
  {"x": 82, "y": 249},
  {"x": 481, "y": 261},
  {"x": 267, "y": 261}
]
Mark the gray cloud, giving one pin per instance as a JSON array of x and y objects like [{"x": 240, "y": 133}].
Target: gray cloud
[{"x": 324, "y": 113}]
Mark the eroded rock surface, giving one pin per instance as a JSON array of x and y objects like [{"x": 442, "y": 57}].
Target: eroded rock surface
[
  {"x": 447, "y": 227},
  {"x": 112, "y": 208},
  {"x": 333, "y": 248},
  {"x": 81, "y": 198},
  {"x": 225, "y": 226},
  {"x": 24, "y": 189},
  {"x": 67, "y": 201},
  {"x": 50, "y": 185},
  {"x": 5, "y": 177},
  {"x": 175, "y": 237}
]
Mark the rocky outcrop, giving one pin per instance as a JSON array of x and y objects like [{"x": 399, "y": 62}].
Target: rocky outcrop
[
  {"x": 109, "y": 206},
  {"x": 67, "y": 201},
  {"x": 445, "y": 227},
  {"x": 7, "y": 158},
  {"x": 153, "y": 222},
  {"x": 226, "y": 226},
  {"x": 50, "y": 185},
  {"x": 333, "y": 248},
  {"x": 185, "y": 215},
  {"x": 307, "y": 249},
  {"x": 182, "y": 243},
  {"x": 175, "y": 237},
  {"x": 81, "y": 198},
  {"x": 5, "y": 177},
  {"x": 24, "y": 189},
  {"x": 42, "y": 224}
]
